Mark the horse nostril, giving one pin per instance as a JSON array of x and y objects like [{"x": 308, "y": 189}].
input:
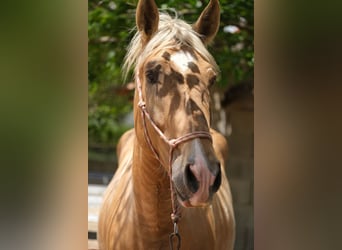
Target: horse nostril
[
  {"x": 190, "y": 179},
  {"x": 217, "y": 181}
]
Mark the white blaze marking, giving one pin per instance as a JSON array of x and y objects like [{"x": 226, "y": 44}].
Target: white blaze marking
[{"x": 182, "y": 60}]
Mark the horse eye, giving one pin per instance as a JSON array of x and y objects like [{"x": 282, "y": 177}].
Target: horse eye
[
  {"x": 212, "y": 81},
  {"x": 152, "y": 75}
]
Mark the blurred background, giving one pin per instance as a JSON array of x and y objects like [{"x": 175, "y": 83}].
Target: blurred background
[
  {"x": 110, "y": 98},
  {"x": 44, "y": 112},
  {"x": 297, "y": 126}
]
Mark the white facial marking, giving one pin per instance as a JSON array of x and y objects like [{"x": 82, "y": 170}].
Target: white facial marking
[{"x": 182, "y": 60}]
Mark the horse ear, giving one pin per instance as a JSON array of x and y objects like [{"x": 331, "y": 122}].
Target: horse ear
[
  {"x": 209, "y": 21},
  {"x": 147, "y": 18}
]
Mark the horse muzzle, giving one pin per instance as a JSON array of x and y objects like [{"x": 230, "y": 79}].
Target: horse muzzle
[{"x": 196, "y": 181}]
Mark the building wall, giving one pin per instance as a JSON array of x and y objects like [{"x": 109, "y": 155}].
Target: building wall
[{"x": 240, "y": 167}]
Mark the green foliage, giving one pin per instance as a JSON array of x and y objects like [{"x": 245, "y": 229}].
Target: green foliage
[
  {"x": 109, "y": 26},
  {"x": 108, "y": 30},
  {"x": 104, "y": 123}
]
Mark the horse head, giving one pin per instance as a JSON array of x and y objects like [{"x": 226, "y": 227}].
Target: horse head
[{"x": 174, "y": 72}]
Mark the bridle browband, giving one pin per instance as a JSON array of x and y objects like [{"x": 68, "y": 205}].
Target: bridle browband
[{"x": 173, "y": 143}]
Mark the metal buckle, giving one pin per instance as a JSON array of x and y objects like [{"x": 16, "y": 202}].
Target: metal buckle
[{"x": 175, "y": 235}]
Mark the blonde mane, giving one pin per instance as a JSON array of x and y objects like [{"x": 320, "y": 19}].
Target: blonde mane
[{"x": 171, "y": 32}]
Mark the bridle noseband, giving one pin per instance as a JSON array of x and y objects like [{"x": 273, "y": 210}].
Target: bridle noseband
[{"x": 173, "y": 143}]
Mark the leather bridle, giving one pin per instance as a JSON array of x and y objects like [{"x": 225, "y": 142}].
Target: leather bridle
[{"x": 172, "y": 143}]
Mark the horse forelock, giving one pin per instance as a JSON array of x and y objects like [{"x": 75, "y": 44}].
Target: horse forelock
[{"x": 171, "y": 32}]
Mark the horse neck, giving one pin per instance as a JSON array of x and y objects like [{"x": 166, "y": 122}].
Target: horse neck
[{"x": 151, "y": 191}]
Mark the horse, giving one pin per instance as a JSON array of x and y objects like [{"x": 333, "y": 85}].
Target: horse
[{"x": 170, "y": 188}]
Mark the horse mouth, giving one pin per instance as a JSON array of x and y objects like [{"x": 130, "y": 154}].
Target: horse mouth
[
  {"x": 185, "y": 198},
  {"x": 185, "y": 202}
]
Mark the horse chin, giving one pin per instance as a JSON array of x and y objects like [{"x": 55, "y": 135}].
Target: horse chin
[
  {"x": 191, "y": 201},
  {"x": 185, "y": 203}
]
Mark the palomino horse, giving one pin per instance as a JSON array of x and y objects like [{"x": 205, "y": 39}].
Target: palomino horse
[{"x": 171, "y": 163}]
